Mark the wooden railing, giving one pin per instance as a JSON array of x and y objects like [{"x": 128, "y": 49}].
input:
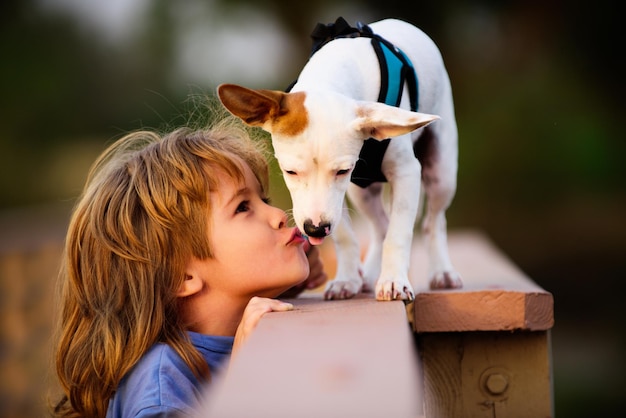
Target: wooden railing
[{"x": 482, "y": 351}]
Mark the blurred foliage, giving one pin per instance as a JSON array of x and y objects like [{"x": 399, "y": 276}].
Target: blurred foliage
[
  {"x": 537, "y": 85},
  {"x": 62, "y": 85}
]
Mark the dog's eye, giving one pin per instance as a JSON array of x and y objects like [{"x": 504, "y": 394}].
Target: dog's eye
[
  {"x": 343, "y": 172},
  {"x": 291, "y": 172}
]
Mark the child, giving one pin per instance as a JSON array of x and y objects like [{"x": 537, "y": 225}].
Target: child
[{"x": 173, "y": 254}]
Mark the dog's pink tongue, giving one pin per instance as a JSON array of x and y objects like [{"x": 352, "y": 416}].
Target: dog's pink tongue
[{"x": 315, "y": 240}]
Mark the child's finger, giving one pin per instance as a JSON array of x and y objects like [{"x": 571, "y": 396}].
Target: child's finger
[
  {"x": 267, "y": 305},
  {"x": 257, "y": 307}
]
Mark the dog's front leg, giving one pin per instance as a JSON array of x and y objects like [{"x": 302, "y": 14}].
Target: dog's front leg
[
  {"x": 405, "y": 184},
  {"x": 348, "y": 281}
]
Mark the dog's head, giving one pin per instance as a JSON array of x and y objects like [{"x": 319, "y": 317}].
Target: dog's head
[{"x": 317, "y": 137}]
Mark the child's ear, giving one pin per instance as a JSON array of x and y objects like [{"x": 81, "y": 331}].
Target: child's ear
[{"x": 193, "y": 282}]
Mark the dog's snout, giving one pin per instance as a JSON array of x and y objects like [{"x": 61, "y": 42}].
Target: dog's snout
[{"x": 320, "y": 231}]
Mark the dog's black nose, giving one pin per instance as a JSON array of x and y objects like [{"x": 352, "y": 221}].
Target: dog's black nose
[{"x": 319, "y": 231}]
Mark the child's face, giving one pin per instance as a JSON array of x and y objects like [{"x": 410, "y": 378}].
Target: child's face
[{"x": 255, "y": 253}]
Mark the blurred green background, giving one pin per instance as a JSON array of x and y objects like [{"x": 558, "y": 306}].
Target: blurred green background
[{"x": 539, "y": 93}]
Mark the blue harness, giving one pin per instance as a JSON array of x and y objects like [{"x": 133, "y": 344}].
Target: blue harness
[{"x": 395, "y": 70}]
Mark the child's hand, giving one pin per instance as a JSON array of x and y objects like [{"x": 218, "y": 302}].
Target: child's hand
[
  {"x": 255, "y": 309},
  {"x": 317, "y": 275}
]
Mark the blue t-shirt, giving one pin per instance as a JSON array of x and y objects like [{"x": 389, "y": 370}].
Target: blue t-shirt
[{"x": 162, "y": 385}]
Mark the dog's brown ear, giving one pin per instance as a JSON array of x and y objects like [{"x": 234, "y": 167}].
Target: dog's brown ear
[
  {"x": 380, "y": 121},
  {"x": 254, "y": 107},
  {"x": 274, "y": 111}
]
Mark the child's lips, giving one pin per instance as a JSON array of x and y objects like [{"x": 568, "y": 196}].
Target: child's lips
[{"x": 296, "y": 237}]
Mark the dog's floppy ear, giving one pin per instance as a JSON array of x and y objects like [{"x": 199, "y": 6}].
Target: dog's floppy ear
[
  {"x": 381, "y": 121},
  {"x": 272, "y": 110},
  {"x": 254, "y": 107}
]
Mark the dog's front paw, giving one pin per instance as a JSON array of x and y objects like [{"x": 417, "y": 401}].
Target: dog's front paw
[
  {"x": 340, "y": 289},
  {"x": 446, "y": 280},
  {"x": 394, "y": 290}
]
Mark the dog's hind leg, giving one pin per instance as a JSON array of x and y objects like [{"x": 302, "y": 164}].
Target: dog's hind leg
[
  {"x": 441, "y": 272},
  {"x": 439, "y": 167},
  {"x": 368, "y": 203}
]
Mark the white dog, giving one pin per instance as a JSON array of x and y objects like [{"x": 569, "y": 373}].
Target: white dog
[{"x": 320, "y": 131}]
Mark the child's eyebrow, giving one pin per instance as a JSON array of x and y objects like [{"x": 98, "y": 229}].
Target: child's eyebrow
[{"x": 238, "y": 194}]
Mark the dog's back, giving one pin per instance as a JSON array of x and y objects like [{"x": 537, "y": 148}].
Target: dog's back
[{"x": 357, "y": 57}]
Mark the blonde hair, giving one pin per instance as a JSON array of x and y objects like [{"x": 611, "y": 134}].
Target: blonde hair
[{"x": 142, "y": 215}]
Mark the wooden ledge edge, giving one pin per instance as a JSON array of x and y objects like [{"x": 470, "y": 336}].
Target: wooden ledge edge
[
  {"x": 488, "y": 310},
  {"x": 496, "y": 296}
]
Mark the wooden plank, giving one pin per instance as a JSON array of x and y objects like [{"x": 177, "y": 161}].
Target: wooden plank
[
  {"x": 487, "y": 374},
  {"x": 496, "y": 295},
  {"x": 324, "y": 359}
]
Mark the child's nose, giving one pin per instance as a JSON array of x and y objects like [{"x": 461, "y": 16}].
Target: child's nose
[{"x": 279, "y": 218}]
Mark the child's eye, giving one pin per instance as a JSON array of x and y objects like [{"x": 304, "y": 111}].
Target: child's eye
[
  {"x": 243, "y": 207},
  {"x": 267, "y": 200}
]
